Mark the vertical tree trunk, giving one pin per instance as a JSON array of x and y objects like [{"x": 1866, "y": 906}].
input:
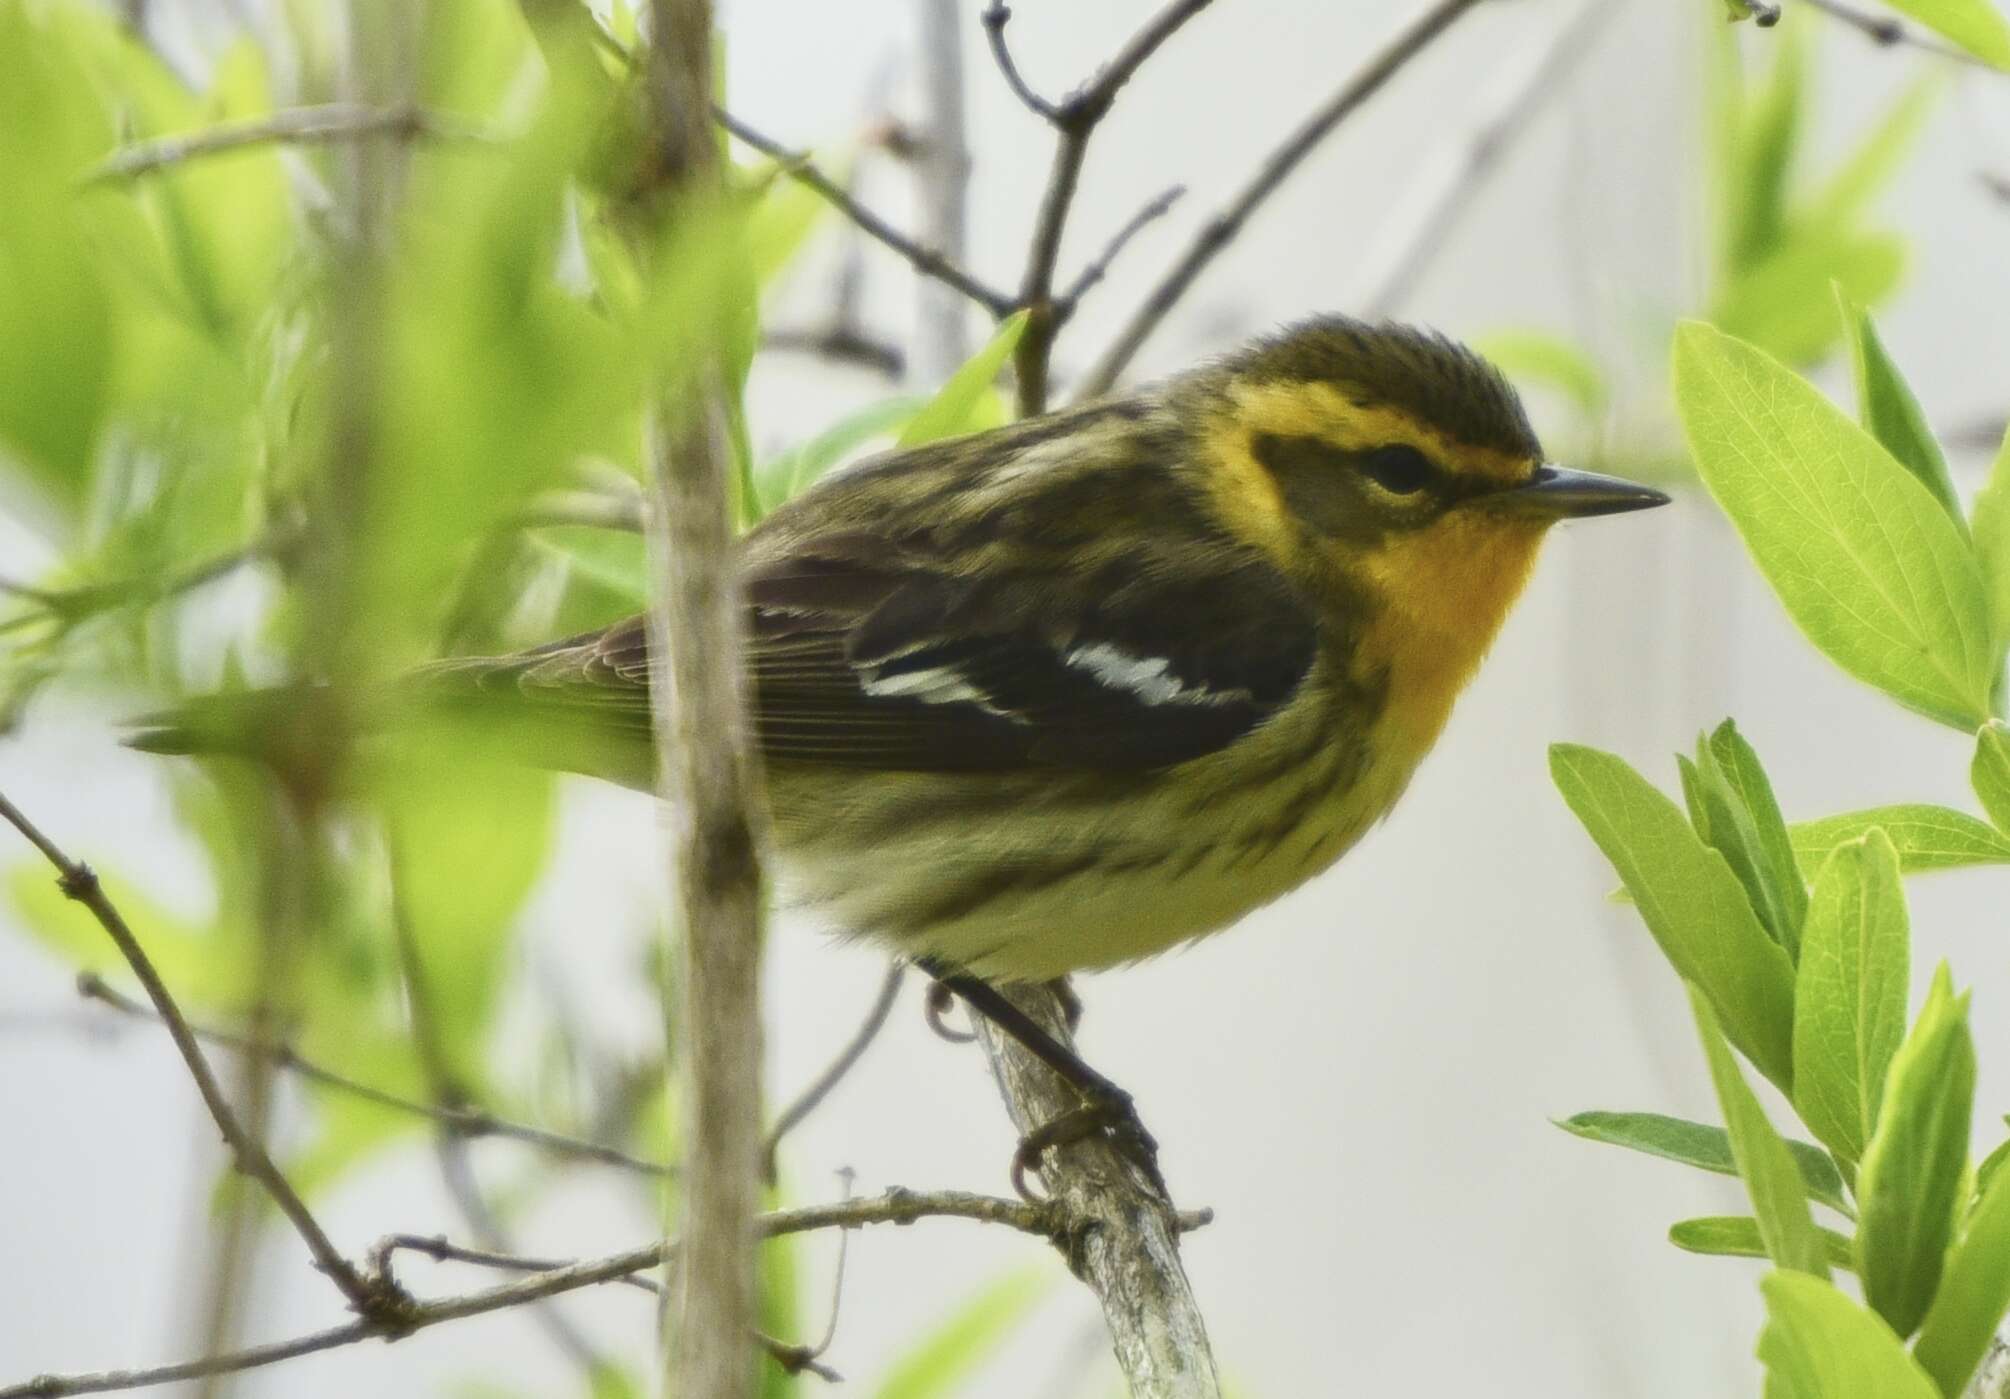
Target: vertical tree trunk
[{"x": 705, "y": 774}]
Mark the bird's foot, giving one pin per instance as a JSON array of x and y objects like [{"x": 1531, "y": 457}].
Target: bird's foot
[{"x": 1105, "y": 1111}]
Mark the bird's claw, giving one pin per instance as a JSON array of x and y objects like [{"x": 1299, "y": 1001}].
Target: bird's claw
[{"x": 1109, "y": 1113}]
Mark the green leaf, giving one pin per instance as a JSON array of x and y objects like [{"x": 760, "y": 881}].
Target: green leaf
[
  {"x": 787, "y": 474},
  {"x": 58, "y": 323},
  {"x": 1989, "y": 525},
  {"x": 960, "y": 406},
  {"x": 1690, "y": 901},
  {"x": 1990, "y": 772},
  {"x": 782, "y": 220},
  {"x": 946, "y": 1357},
  {"x": 1824, "y": 1346},
  {"x": 1743, "y": 823},
  {"x": 1771, "y": 1177},
  {"x": 1764, "y": 134},
  {"x": 614, "y": 559},
  {"x": 1976, "y": 25},
  {"x": 1926, "y": 837},
  {"x": 1974, "y": 1294},
  {"x": 1535, "y": 356},
  {"x": 1891, "y": 414},
  {"x": 1737, "y": 1236},
  {"x": 1849, "y": 997},
  {"x": 1702, "y": 1146},
  {"x": 1863, "y": 558},
  {"x": 1909, "y": 1191},
  {"x": 1782, "y": 303}
]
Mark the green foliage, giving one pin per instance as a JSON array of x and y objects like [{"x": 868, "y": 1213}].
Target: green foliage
[
  {"x": 1976, "y": 25},
  {"x": 1925, "y": 837},
  {"x": 1704, "y": 1147},
  {"x": 1864, "y": 558},
  {"x": 1849, "y": 993},
  {"x": 1818, "y": 1344},
  {"x": 1738, "y": 1236},
  {"x": 1534, "y": 356},
  {"x": 1989, "y": 773},
  {"x": 1989, "y": 523},
  {"x": 1691, "y": 901},
  {"x": 1779, "y": 1201},
  {"x": 1974, "y": 1293},
  {"x": 1911, "y": 1185},
  {"x": 1860, "y": 535},
  {"x": 970, "y": 401},
  {"x": 1891, "y": 413},
  {"x": 1781, "y": 247}
]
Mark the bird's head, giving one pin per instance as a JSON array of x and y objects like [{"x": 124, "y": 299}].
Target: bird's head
[{"x": 1393, "y": 472}]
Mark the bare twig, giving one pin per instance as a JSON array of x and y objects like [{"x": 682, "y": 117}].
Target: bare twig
[
  {"x": 1887, "y": 32},
  {"x": 1761, "y": 12},
  {"x": 335, "y": 121},
  {"x": 895, "y": 1206},
  {"x": 812, "y": 1097},
  {"x": 1096, "y": 270},
  {"x": 467, "y": 1121},
  {"x": 1221, "y": 230},
  {"x": 798, "y": 166},
  {"x": 842, "y": 344},
  {"x": 78, "y": 882},
  {"x": 995, "y": 17},
  {"x": 791, "y": 1356},
  {"x": 1427, "y": 213},
  {"x": 72, "y": 604},
  {"x": 1075, "y": 119}
]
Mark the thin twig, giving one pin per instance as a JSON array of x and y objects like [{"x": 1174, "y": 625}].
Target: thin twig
[
  {"x": 896, "y": 1206},
  {"x": 1075, "y": 118},
  {"x": 841, "y": 344},
  {"x": 1222, "y": 229},
  {"x": 334, "y": 121},
  {"x": 1887, "y": 32},
  {"x": 1425, "y": 215},
  {"x": 464, "y": 1120},
  {"x": 798, "y": 166},
  {"x": 820, "y": 1087},
  {"x": 1761, "y": 12},
  {"x": 79, "y": 882},
  {"x": 994, "y": 19},
  {"x": 1098, "y": 268}
]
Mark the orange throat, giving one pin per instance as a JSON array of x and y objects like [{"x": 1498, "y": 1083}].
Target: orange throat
[{"x": 1443, "y": 594}]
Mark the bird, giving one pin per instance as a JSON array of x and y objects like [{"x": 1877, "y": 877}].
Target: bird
[{"x": 1069, "y": 693}]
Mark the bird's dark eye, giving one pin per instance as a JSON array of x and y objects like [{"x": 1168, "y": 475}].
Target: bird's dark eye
[{"x": 1398, "y": 468}]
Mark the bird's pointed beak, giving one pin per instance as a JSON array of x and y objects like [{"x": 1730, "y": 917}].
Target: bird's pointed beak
[{"x": 1558, "y": 492}]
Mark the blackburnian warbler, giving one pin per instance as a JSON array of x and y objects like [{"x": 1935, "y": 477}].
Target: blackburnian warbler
[{"x": 1071, "y": 692}]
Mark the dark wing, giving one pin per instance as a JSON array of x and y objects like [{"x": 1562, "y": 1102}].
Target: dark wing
[{"x": 1111, "y": 627}]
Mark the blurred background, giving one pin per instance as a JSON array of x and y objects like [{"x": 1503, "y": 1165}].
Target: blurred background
[{"x": 1360, "y": 1079}]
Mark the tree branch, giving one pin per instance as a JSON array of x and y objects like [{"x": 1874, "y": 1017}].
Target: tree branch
[
  {"x": 930, "y": 263},
  {"x": 1075, "y": 118},
  {"x": 465, "y": 1120},
  {"x": 79, "y": 882},
  {"x": 1222, "y": 229},
  {"x": 1121, "y": 1238},
  {"x": 895, "y": 1206},
  {"x": 300, "y": 126},
  {"x": 706, "y": 774},
  {"x": 1097, "y": 269}
]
